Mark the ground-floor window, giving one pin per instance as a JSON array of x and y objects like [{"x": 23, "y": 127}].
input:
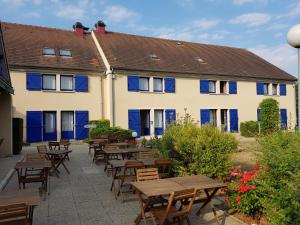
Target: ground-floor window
[
  {"x": 158, "y": 122},
  {"x": 145, "y": 122},
  {"x": 213, "y": 117},
  {"x": 67, "y": 125},
  {"x": 224, "y": 119}
]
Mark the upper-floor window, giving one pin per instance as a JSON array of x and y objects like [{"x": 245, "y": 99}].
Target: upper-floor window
[
  {"x": 144, "y": 84},
  {"x": 66, "y": 83},
  {"x": 158, "y": 84},
  {"x": 212, "y": 86},
  {"x": 266, "y": 88},
  {"x": 48, "y": 51},
  {"x": 223, "y": 87},
  {"x": 274, "y": 89},
  {"x": 65, "y": 52},
  {"x": 49, "y": 82}
]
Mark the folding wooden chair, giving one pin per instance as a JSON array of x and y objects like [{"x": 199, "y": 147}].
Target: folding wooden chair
[
  {"x": 174, "y": 212},
  {"x": 128, "y": 175},
  {"x": 14, "y": 214},
  {"x": 42, "y": 150},
  {"x": 65, "y": 143},
  {"x": 164, "y": 167}
]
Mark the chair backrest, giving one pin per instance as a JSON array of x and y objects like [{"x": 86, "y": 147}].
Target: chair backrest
[
  {"x": 42, "y": 149},
  {"x": 64, "y": 141},
  {"x": 147, "y": 174},
  {"x": 163, "y": 166},
  {"x": 188, "y": 196},
  {"x": 14, "y": 212},
  {"x": 131, "y": 166},
  {"x": 35, "y": 157},
  {"x": 146, "y": 154}
]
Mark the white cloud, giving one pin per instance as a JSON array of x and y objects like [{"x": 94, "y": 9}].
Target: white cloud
[
  {"x": 295, "y": 10},
  {"x": 72, "y": 10},
  {"x": 242, "y": 2},
  {"x": 117, "y": 13},
  {"x": 18, "y": 3},
  {"x": 278, "y": 26},
  {"x": 251, "y": 19},
  {"x": 205, "y": 23},
  {"x": 282, "y": 56}
]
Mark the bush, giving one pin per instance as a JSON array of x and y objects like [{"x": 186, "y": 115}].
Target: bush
[
  {"x": 101, "y": 122},
  {"x": 154, "y": 143},
  {"x": 280, "y": 179},
  {"x": 198, "y": 150},
  {"x": 269, "y": 115},
  {"x": 249, "y": 129},
  {"x": 120, "y": 133}
]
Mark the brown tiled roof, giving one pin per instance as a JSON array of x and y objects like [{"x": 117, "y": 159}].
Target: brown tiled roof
[
  {"x": 131, "y": 52},
  {"x": 24, "y": 45}
]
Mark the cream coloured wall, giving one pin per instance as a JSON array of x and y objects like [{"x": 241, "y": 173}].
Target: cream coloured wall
[
  {"x": 5, "y": 124},
  {"x": 25, "y": 100},
  {"x": 188, "y": 96}
]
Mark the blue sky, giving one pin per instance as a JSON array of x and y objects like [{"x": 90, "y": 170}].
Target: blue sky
[{"x": 258, "y": 25}]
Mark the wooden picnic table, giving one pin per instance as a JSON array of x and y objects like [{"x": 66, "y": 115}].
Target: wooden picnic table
[
  {"x": 163, "y": 187},
  {"x": 29, "y": 196},
  {"x": 57, "y": 158},
  {"x": 36, "y": 164}
]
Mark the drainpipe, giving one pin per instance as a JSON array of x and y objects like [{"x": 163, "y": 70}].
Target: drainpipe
[{"x": 111, "y": 96}]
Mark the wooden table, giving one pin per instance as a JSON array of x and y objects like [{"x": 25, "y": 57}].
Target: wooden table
[
  {"x": 58, "y": 144},
  {"x": 21, "y": 166},
  {"x": 119, "y": 144},
  {"x": 58, "y": 158},
  {"x": 28, "y": 196},
  {"x": 164, "y": 187}
]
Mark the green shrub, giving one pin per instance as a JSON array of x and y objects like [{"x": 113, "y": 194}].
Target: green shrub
[
  {"x": 120, "y": 133},
  {"x": 249, "y": 129},
  {"x": 280, "y": 178},
  {"x": 198, "y": 150},
  {"x": 154, "y": 142},
  {"x": 269, "y": 115},
  {"x": 100, "y": 123}
]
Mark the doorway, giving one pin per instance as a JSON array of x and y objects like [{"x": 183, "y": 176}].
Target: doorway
[
  {"x": 49, "y": 126},
  {"x": 224, "y": 119},
  {"x": 145, "y": 122}
]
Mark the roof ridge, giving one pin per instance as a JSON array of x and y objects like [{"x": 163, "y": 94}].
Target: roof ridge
[{"x": 175, "y": 40}]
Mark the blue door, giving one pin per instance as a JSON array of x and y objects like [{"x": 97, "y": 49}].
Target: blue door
[
  {"x": 234, "y": 120},
  {"x": 34, "y": 126},
  {"x": 134, "y": 121},
  {"x": 283, "y": 115},
  {"x": 82, "y": 119},
  {"x": 49, "y": 126},
  {"x": 67, "y": 125},
  {"x": 170, "y": 116}
]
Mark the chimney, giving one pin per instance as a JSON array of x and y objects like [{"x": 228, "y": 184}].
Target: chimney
[
  {"x": 79, "y": 28},
  {"x": 100, "y": 27}
]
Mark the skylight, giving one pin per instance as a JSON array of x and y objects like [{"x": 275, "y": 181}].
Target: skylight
[
  {"x": 48, "y": 51},
  {"x": 200, "y": 60},
  {"x": 65, "y": 52},
  {"x": 154, "y": 57},
  {"x": 179, "y": 43}
]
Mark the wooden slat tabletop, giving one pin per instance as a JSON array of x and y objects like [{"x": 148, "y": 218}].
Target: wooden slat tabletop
[
  {"x": 118, "y": 144},
  {"x": 165, "y": 186},
  {"x": 57, "y": 152},
  {"x": 29, "y": 196},
  {"x": 124, "y": 150},
  {"x": 121, "y": 163},
  {"x": 33, "y": 164}
]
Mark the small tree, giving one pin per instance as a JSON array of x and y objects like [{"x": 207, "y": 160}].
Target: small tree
[{"x": 269, "y": 115}]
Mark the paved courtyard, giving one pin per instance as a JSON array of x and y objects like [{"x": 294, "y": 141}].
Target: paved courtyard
[{"x": 84, "y": 198}]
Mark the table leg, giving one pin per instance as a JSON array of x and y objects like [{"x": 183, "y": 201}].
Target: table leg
[
  {"x": 141, "y": 215},
  {"x": 61, "y": 161}
]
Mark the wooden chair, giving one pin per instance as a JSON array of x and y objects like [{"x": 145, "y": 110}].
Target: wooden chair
[
  {"x": 147, "y": 174},
  {"x": 164, "y": 167},
  {"x": 99, "y": 154},
  {"x": 129, "y": 174},
  {"x": 110, "y": 157},
  {"x": 42, "y": 150},
  {"x": 175, "y": 212},
  {"x": 14, "y": 214},
  {"x": 146, "y": 154}
]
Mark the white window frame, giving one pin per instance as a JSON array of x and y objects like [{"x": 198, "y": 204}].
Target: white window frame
[
  {"x": 60, "y": 82},
  {"x": 62, "y": 50},
  {"x": 45, "y": 53},
  {"x": 49, "y": 75},
  {"x": 226, "y": 87},
  {"x": 148, "y": 80},
  {"x": 275, "y": 89},
  {"x": 162, "y": 84},
  {"x": 267, "y": 89},
  {"x": 214, "y": 85}
]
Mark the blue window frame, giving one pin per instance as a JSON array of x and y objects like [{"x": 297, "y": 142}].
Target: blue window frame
[
  {"x": 49, "y": 82},
  {"x": 66, "y": 83},
  {"x": 144, "y": 83}
]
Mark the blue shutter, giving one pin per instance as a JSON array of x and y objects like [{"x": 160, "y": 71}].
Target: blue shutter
[
  {"x": 204, "y": 86},
  {"x": 260, "y": 88},
  {"x": 232, "y": 87},
  {"x": 170, "y": 116},
  {"x": 81, "y": 119},
  {"x": 33, "y": 81},
  {"x": 282, "y": 89},
  {"x": 133, "y": 83},
  {"x": 205, "y": 116},
  {"x": 81, "y": 83},
  {"x": 283, "y": 115},
  {"x": 258, "y": 114},
  {"x": 170, "y": 85},
  {"x": 134, "y": 121},
  {"x": 234, "y": 120},
  {"x": 34, "y": 128}
]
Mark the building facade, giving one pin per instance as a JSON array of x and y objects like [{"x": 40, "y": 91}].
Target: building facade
[{"x": 63, "y": 78}]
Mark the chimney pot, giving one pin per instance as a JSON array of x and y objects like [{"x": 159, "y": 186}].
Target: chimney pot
[
  {"x": 79, "y": 28},
  {"x": 100, "y": 27}
]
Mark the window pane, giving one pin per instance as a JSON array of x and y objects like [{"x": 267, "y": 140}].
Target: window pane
[
  {"x": 144, "y": 84},
  {"x": 212, "y": 86},
  {"x": 66, "y": 83},
  {"x": 157, "y": 84},
  {"x": 266, "y": 87},
  {"x": 48, "y": 51},
  {"x": 67, "y": 121},
  {"x": 65, "y": 52},
  {"x": 49, "y": 82},
  {"x": 49, "y": 122},
  {"x": 158, "y": 118},
  {"x": 274, "y": 89},
  {"x": 213, "y": 117}
]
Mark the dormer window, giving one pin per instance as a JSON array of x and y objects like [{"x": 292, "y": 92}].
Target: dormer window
[
  {"x": 154, "y": 57},
  {"x": 65, "y": 52},
  {"x": 49, "y": 51}
]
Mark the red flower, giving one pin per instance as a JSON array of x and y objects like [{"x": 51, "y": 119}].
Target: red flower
[
  {"x": 256, "y": 166},
  {"x": 245, "y": 188},
  {"x": 226, "y": 201},
  {"x": 238, "y": 199},
  {"x": 226, "y": 190}
]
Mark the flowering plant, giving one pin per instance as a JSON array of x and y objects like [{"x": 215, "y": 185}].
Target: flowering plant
[{"x": 243, "y": 192}]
